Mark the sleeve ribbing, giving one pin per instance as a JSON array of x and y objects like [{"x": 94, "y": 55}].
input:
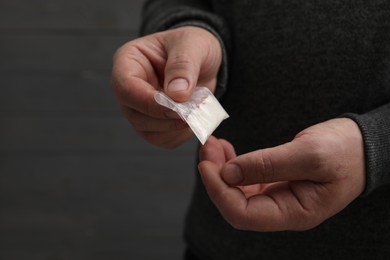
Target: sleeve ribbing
[{"x": 375, "y": 128}]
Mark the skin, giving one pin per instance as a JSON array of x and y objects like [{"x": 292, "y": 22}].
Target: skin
[
  {"x": 189, "y": 56},
  {"x": 294, "y": 186}
]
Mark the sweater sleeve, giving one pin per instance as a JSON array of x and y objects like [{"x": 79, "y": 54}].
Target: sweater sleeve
[
  {"x": 375, "y": 127},
  {"x": 160, "y": 15}
]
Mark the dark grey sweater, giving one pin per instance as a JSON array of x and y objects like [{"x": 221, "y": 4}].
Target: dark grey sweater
[{"x": 289, "y": 65}]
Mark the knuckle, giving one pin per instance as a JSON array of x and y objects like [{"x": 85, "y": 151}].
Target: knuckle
[
  {"x": 309, "y": 222},
  {"x": 318, "y": 157},
  {"x": 136, "y": 125},
  {"x": 129, "y": 82},
  {"x": 240, "y": 225},
  {"x": 180, "y": 60},
  {"x": 237, "y": 222},
  {"x": 264, "y": 170},
  {"x": 122, "y": 88},
  {"x": 117, "y": 86}
]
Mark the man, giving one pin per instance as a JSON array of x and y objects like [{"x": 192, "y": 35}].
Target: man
[{"x": 307, "y": 88}]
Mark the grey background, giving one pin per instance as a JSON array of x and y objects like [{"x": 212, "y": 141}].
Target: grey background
[{"x": 76, "y": 182}]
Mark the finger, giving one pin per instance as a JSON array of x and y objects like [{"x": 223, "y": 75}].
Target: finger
[
  {"x": 137, "y": 59},
  {"x": 230, "y": 201},
  {"x": 291, "y": 161},
  {"x": 145, "y": 123},
  {"x": 135, "y": 82},
  {"x": 229, "y": 150},
  {"x": 261, "y": 213},
  {"x": 182, "y": 68},
  {"x": 137, "y": 94},
  {"x": 213, "y": 150},
  {"x": 282, "y": 206}
]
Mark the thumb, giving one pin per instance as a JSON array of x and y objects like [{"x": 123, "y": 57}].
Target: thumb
[
  {"x": 182, "y": 70},
  {"x": 288, "y": 162}
]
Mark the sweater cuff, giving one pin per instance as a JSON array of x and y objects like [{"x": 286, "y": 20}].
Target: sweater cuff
[{"x": 375, "y": 128}]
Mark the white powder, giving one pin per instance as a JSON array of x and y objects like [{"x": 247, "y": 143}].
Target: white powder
[
  {"x": 202, "y": 112},
  {"x": 206, "y": 118}
]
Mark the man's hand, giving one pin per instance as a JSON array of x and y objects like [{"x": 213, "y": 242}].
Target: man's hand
[
  {"x": 294, "y": 186},
  {"x": 175, "y": 61}
]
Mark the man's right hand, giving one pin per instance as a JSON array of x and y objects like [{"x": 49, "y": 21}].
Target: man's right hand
[{"x": 175, "y": 61}]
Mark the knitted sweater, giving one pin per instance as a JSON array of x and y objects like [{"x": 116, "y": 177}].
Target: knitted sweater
[{"x": 289, "y": 65}]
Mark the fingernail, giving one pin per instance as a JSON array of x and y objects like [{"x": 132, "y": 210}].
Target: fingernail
[
  {"x": 177, "y": 85},
  {"x": 232, "y": 175}
]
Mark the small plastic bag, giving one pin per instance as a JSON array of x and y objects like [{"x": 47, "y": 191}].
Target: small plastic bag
[{"x": 202, "y": 112}]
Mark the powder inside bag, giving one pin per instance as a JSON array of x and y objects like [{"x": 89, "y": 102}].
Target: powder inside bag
[
  {"x": 206, "y": 118},
  {"x": 202, "y": 112}
]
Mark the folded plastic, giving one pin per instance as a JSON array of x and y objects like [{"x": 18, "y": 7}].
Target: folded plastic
[{"x": 202, "y": 112}]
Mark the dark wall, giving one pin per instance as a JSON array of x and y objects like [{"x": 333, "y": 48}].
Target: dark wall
[{"x": 76, "y": 182}]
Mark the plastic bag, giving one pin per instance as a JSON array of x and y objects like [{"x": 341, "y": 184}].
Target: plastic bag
[{"x": 202, "y": 112}]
